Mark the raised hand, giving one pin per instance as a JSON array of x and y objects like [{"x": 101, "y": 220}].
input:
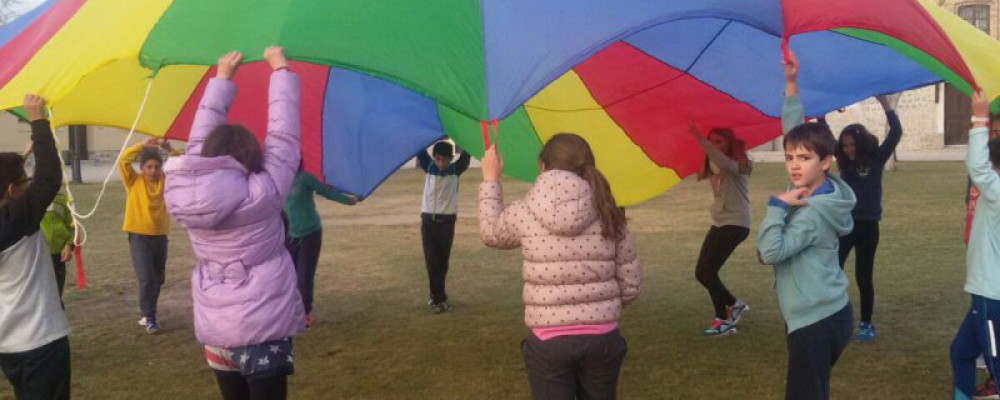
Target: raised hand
[
  {"x": 791, "y": 73},
  {"x": 34, "y": 107},
  {"x": 228, "y": 64},
  {"x": 275, "y": 56},
  {"x": 980, "y": 106},
  {"x": 491, "y": 164},
  {"x": 150, "y": 143}
]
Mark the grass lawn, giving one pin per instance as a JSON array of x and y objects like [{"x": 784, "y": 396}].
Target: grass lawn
[{"x": 375, "y": 338}]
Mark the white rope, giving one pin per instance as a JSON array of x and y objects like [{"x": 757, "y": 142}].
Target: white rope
[{"x": 79, "y": 238}]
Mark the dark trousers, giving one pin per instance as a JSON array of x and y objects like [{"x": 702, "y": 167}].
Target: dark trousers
[
  {"x": 720, "y": 242},
  {"x": 438, "y": 233},
  {"x": 976, "y": 337},
  {"x": 149, "y": 257},
  {"x": 864, "y": 237},
  {"x": 60, "y": 268},
  {"x": 812, "y": 352},
  {"x": 305, "y": 256},
  {"x": 236, "y": 387},
  {"x": 42, "y": 373},
  {"x": 574, "y": 367}
]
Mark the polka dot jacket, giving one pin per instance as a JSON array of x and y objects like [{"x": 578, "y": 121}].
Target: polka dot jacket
[{"x": 572, "y": 274}]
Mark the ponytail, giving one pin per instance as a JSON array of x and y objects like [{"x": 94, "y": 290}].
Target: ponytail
[
  {"x": 612, "y": 217},
  {"x": 570, "y": 152}
]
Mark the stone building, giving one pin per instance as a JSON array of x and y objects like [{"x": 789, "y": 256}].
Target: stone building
[{"x": 933, "y": 117}]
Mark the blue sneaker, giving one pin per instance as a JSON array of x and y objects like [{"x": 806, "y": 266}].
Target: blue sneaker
[
  {"x": 152, "y": 326},
  {"x": 720, "y": 327},
  {"x": 866, "y": 332}
]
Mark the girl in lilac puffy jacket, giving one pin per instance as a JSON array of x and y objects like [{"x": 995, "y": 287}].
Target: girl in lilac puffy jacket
[{"x": 228, "y": 194}]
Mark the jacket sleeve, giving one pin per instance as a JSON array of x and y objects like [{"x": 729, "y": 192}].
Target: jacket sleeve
[
  {"x": 212, "y": 111},
  {"x": 721, "y": 160},
  {"x": 22, "y": 216},
  {"x": 792, "y": 113},
  {"x": 424, "y": 160},
  {"x": 892, "y": 138},
  {"x": 462, "y": 164},
  {"x": 327, "y": 191},
  {"x": 628, "y": 271},
  {"x": 496, "y": 226},
  {"x": 978, "y": 162},
  {"x": 779, "y": 240},
  {"x": 125, "y": 170},
  {"x": 281, "y": 147}
]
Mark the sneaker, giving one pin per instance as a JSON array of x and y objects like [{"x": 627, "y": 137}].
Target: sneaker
[
  {"x": 866, "y": 332},
  {"x": 736, "y": 312},
  {"x": 441, "y": 307},
  {"x": 142, "y": 321},
  {"x": 987, "y": 391},
  {"x": 720, "y": 327},
  {"x": 152, "y": 326}
]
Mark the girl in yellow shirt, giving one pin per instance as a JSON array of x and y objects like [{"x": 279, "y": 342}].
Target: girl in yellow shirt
[{"x": 146, "y": 223}]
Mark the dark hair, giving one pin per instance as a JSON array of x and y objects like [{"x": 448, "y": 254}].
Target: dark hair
[
  {"x": 443, "y": 149},
  {"x": 735, "y": 150},
  {"x": 570, "y": 152},
  {"x": 865, "y": 147},
  {"x": 11, "y": 171},
  {"x": 237, "y": 142},
  {"x": 994, "y": 145},
  {"x": 812, "y": 136},
  {"x": 149, "y": 154}
]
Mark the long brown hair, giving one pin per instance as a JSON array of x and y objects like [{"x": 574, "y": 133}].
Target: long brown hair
[
  {"x": 235, "y": 141},
  {"x": 570, "y": 152},
  {"x": 735, "y": 150}
]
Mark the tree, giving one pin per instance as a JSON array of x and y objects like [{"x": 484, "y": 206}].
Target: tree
[{"x": 7, "y": 10}]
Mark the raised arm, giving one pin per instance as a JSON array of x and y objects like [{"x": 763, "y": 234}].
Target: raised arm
[
  {"x": 281, "y": 147},
  {"x": 424, "y": 160},
  {"x": 125, "y": 170},
  {"x": 464, "y": 159},
  {"x": 981, "y": 170},
  {"x": 329, "y": 192},
  {"x": 892, "y": 138},
  {"x": 21, "y": 216},
  {"x": 792, "y": 112},
  {"x": 721, "y": 160},
  {"x": 496, "y": 227},
  {"x": 215, "y": 103}
]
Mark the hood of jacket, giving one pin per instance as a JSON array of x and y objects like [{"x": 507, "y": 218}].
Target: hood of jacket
[
  {"x": 562, "y": 202},
  {"x": 200, "y": 192},
  {"x": 835, "y": 208}
]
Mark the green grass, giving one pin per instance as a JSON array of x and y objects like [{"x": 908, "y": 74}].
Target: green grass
[{"x": 375, "y": 338}]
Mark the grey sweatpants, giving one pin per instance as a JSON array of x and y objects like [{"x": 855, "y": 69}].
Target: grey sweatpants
[{"x": 149, "y": 257}]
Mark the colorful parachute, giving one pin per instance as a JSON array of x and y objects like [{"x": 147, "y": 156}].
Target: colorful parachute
[{"x": 384, "y": 78}]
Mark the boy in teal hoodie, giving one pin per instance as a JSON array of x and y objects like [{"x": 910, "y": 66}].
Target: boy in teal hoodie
[
  {"x": 800, "y": 237},
  {"x": 978, "y": 333}
]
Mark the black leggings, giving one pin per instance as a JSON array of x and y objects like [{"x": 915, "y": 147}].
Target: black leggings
[
  {"x": 864, "y": 237},
  {"x": 235, "y": 386},
  {"x": 715, "y": 250}
]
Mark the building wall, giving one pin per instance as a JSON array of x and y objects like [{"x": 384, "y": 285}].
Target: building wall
[
  {"x": 921, "y": 111},
  {"x": 103, "y": 144}
]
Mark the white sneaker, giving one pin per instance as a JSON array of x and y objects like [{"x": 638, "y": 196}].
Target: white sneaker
[{"x": 142, "y": 321}]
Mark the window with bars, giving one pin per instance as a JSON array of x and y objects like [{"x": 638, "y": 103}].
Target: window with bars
[{"x": 977, "y": 15}]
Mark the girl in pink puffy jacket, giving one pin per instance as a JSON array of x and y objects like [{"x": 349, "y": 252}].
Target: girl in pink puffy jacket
[
  {"x": 228, "y": 194},
  {"x": 580, "y": 268}
]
